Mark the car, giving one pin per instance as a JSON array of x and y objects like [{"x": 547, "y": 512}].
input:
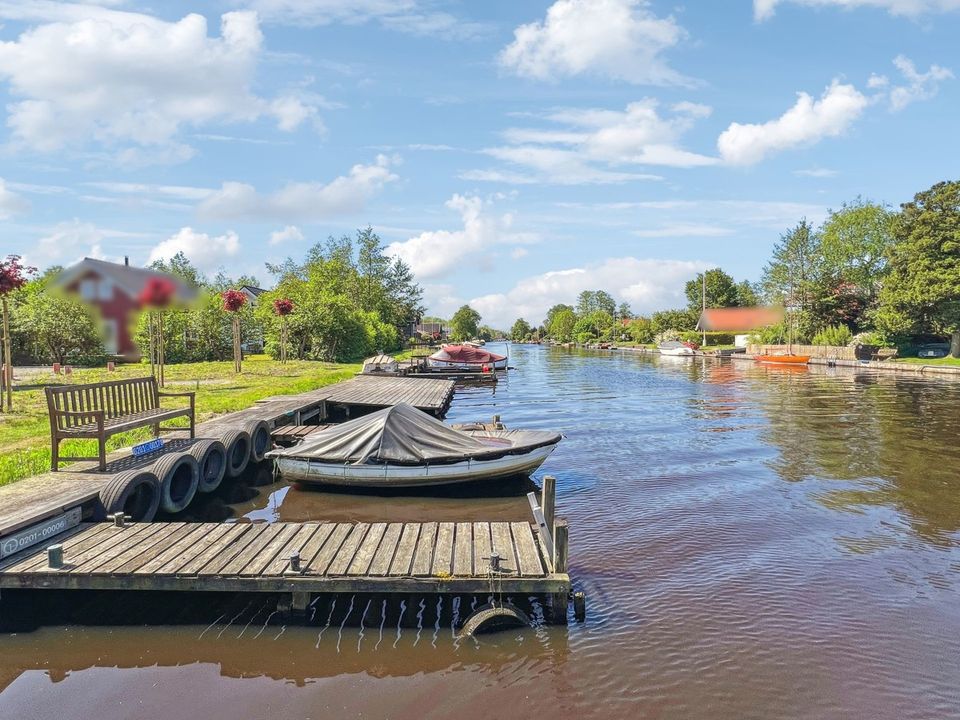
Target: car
[{"x": 933, "y": 350}]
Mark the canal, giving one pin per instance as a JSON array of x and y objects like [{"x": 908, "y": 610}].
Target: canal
[{"x": 754, "y": 542}]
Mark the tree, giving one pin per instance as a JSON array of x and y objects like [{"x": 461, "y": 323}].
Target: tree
[
  {"x": 64, "y": 326},
  {"x": 464, "y": 323},
  {"x": 624, "y": 311},
  {"x": 592, "y": 300},
  {"x": 793, "y": 272},
  {"x": 552, "y": 313},
  {"x": 921, "y": 291},
  {"x": 12, "y": 278},
  {"x": 641, "y": 330},
  {"x": 521, "y": 330},
  {"x": 562, "y": 324},
  {"x": 673, "y": 320},
  {"x": 721, "y": 291},
  {"x": 747, "y": 294}
]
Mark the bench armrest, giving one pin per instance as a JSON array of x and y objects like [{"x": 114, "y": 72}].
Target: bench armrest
[
  {"x": 98, "y": 416},
  {"x": 179, "y": 394}
]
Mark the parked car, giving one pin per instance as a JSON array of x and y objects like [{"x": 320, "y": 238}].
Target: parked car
[{"x": 933, "y": 350}]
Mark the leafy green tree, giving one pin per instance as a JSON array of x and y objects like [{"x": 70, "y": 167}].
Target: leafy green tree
[
  {"x": 854, "y": 241},
  {"x": 562, "y": 325},
  {"x": 624, "y": 311},
  {"x": 487, "y": 333},
  {"x": 464, "y": 323},
  {"x": 65, "y": 328},
  {"x": 921, "y": 291},
  {"x": 793, "y": 274},
  {"x": 721, "y": 291},
  {"x": 552, "y": 313},
  {"x": 747, "y": 294},
  {"x": 641, "y": 330},
  {"x": 678, "y": 320},
  {"x": 521, "y": 330},
  {"x": 593, "y": 300}
]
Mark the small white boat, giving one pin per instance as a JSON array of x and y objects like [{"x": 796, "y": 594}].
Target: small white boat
[
  {"x": 403, "y": 447},
  {"x": 675, "y": 348},
  {"x": 465, "y": 357},
  {"x": 379, "y": 364}
]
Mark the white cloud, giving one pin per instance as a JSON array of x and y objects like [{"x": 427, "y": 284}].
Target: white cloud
[
  {"x": 205, "y": 251},
  {"x": 303, "y": 200},
  {"x": 441, "y": 299},
  {"x": 591, "y": 145},
  {"x": 68, "y": 242},
  {"x": 407, "y": 16},
  {"x": 432, "y": 253},
  {"x": 131, "y": 82},
  {"x": 290, "y": 232},
  {"x": 618, "y": 39},
  {"x": 682, "y": 229},
  {"x": 764, "y": 9},
  {"x": 10, "y": 202},
  {"x": 815, "y": 172},
  {"x": 806, "y": 123},
  {"x": 647, "y": 284},
  {"x": 920, "y": 86}
]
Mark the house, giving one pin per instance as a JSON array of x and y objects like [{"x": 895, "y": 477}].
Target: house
[
  {"x": 252, "y": 293},
  {"x": 740, "y": 320},
  {"x": 114, "y": 290},
  {"x": 434, "y": 330}
]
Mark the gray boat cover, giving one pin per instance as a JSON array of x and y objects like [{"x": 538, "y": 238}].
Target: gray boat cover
[{"x": 403, "y": 435}]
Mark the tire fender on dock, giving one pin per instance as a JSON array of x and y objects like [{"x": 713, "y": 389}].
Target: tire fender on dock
[
  {"x": 135, "y": 493},
  {"x": 237, "y": 443},
  {"x": 179, "y": 475},
  {"x": 493, "y": 617},
  {"x": 260, "y": 441},
  {"x": 211, "y": 456}
]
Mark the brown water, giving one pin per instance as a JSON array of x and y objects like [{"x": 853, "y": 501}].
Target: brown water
[{"x": 754, "y": 543}]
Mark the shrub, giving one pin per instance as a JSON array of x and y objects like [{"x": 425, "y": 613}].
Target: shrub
[
  {"x": 868, "y": 338},
  {"x": 834, "y": 335},
  {"x": 666, "y": 336}
]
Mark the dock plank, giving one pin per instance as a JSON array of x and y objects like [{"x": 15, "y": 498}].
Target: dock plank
[
  {"x": 443, "y": 549},
  {"x": 348, "y": 550},
  {"x": 503, "y": 546},
  {"x": 88, "y": 558},
  {"x": 463, "y": 550},
  {"x": 183, "y": 550},
  {"x": 528, "y": 558},
  {"x": 297, "y": 541},
  {"x": 37, "y": 554},
  {"x": 268, "y": 552},
  {"x": 222, "y": 550},
  {"x": 264, "y": 535},
  {"x": 150, "y": 544},
  {"x": 403, "y": 557},
  {"x": 423, "y": 557},
  {"x": 481, "y": 549},
  {"x": 380, "y": 565},
  {"x": 319, "y": 564}
]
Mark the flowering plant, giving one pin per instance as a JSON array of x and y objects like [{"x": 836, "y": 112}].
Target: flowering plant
[
  {"x": 13, "y": 275},
  {"x": 233, "y": 300},
  {"x": 283, "y": 306}
]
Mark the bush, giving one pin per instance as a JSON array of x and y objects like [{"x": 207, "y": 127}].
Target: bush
[
  {"x": 833, "y": 335},
  {"x": 666, "y": 336},
  {"x": 868, "y": 338}
]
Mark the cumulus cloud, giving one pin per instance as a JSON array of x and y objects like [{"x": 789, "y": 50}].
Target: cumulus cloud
[
  {"x": 619, "y": 39},
  {"x": 647, "y": 284},
  {"x": 764, "y": 9},
  {"x": 131, "y": 81},
  {"x": 806, "y": 123},
  {"x": 592, "y": 146},
  {"x": 683, "y": 229},
  {"x": 205, "y": 251},
  {"x": 432, "y": 253},
  {"x": 290, "y": 232},
  {"x": 69, "y": 242},
  {"x": 920, "y": 86},
  {"x": 10, "y": 202},
  {"x": 301, "y": 200}
]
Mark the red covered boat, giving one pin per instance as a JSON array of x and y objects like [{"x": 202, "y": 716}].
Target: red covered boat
[{"x": 465, "y": 357}]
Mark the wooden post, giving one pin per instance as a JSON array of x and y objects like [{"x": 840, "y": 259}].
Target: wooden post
[
  {"x": 236, "y": 343},
  {"x": 160, "y": 349},
  {"x": 153, "y": 343},
  {"x": 548, "y": 499},
  {"x": 559, "y": 601},
  {"x": 7, "y": 356}
]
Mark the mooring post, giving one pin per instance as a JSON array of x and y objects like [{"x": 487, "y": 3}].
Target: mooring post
[
  {"x": 558, "y": 601},
  {"x": 546, "y": 534},
  {"x": 548, "y": 499},
  {"x": 55, "y": 557}
]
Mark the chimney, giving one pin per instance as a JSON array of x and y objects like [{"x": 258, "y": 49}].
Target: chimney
[{"x": 126, "y": 260}]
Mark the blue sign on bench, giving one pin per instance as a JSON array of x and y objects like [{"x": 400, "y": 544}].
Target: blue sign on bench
[{"x": 147, "y": 447}]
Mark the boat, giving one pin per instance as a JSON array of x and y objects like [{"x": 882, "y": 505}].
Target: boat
[
  {"x": 783, "y": 359},
  {"x": 474, "y": 343},
  {"x": 465, "y": 357},
  {"x": 675, "y": 348},
  {"x": 401, "y": 446},
  {"x": 379, "y": 364}
]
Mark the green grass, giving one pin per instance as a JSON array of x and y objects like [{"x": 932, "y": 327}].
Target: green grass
[
  {"x": 930, "y": 361},
  {"x": 25, "y": 433}
]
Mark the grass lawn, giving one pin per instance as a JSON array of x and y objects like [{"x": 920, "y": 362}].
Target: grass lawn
[
  {"x": 25, "y": 433},
  {"x": 930, "y": 361}
]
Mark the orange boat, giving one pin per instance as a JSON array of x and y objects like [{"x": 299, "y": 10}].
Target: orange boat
[{"x": 783, "y": 359}]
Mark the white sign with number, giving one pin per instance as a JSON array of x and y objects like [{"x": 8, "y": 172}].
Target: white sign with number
[{"x": 38, "y": 533}]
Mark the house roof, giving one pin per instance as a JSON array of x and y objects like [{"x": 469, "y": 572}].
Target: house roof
[
  {"x": 738, "y": 319},
  {"x": 253, "y": 290},
  {"x": 129, "y": 279}
]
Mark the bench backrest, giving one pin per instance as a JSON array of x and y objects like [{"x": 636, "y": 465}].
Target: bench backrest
[{"x": 117, "y": 398}]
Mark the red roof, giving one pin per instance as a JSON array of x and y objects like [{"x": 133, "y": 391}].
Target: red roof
[
  {"x": 738, "y": 319},
  {"x": 466, "y": 354}
]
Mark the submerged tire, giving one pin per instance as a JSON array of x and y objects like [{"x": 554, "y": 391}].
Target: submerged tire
[
  {"x": 135, "y": 493},
  {"x": 237, "y": 443},
  {"x": 260, "y": 441},
  {"x": 211, "y": 456},
  {"x": 179, "y": 476}
]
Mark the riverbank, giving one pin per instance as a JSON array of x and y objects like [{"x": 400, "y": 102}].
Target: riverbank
[{"x": 25, "y": 433}]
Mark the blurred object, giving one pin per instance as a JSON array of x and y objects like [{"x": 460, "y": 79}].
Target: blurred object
[
  {"x": 117, "y": 291},
  {"x": 111, "y": 366},
  {"x": 156, "y": 295},
  {"x": 13, "y": 276},
  {"x": 233, "y": 302},
  {"x": 738, "y": 319},
  {"x": 56, "y": 368},
  {"x": 68, "y": 370}
]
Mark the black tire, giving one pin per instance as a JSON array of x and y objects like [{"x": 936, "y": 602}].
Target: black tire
[
  {"x": 260, "y": 440},
  {"x": 179, "y": 476},
  {"x": 211, "y": 456},
  {"x": 135, "y": 493},
  {"x": 237, "y": 443}
]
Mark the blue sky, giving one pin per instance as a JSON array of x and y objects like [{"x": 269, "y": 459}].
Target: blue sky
[{"x": 514, "y": 153}]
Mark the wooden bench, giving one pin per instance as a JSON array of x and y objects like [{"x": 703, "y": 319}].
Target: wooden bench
[
  {"x": 885, "y": 354},
  {"x": 98, "y": 410}
]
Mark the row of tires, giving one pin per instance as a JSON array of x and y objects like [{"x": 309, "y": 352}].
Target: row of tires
[{"x": 173, "y": 481}]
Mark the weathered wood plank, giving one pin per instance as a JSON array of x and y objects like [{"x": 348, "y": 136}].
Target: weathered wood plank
[
  {"x": 481, "y": 549},
  {"x": 319, "y": 564},
  {"x": 94, "y": 556},
  {"x": 37, "y": 554},
  {"x": 264, "y": 535},
  {"x": 443, "y": 550},
  {"x": 403, "y": 557},
  {"x": 503, "y": 546},
  {"x": 380, "y": 565},
  {"x": 364, "y": 555},
  {"x": 423, "y": 557},
  {"x": 268, "y": 552},
  {"x": 297, "y": 541},
  {"x": 226, "y": 548},
  {"x": 463, "y": 550},
  {"x": 528, "y": 559},
  {"x": 183, "y": 550},
  {"x": 150, "y": 545},
  {"x": 349, "y": 548}
]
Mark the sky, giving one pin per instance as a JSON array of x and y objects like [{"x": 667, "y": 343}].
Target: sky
[{"x": 514, "y": 153}]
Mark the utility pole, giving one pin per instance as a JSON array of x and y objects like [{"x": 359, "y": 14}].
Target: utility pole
[{"x": 703, "y": 295}]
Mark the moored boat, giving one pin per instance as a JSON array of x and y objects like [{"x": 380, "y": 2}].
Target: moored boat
[
  {"x": 465, "y": 357},
  {"x": 675, "y": 348},
  {"x": 403, "y": 447},
  {"x": 784, "y": 359}
]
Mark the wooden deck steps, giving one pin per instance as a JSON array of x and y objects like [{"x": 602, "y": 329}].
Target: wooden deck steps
[
  {"x": 287, "y": 435},
  {"x": 333, "y": 557}
]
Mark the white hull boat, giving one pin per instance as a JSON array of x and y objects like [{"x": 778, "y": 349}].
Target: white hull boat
[
  {"x": 676, "y": 349},
  {"x": 403, "y": 447},
  {"x": 469, "y": 366}
]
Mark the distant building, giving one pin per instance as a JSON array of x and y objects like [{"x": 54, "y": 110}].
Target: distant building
[
  {"x": 738, "y": 320},
  {"x": 252, "y": 293},
  {"x": 113, "y": 289},
  {"x": 432, "y": 329}
]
